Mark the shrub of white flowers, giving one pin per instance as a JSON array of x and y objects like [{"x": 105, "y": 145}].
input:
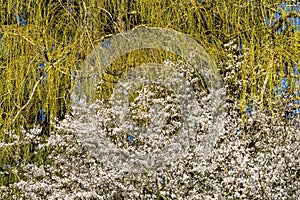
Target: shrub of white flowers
[{"x": 256, "y": 159}]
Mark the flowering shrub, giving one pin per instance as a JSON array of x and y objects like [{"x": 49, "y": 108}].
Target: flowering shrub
[{"x": 259, "y": 161}]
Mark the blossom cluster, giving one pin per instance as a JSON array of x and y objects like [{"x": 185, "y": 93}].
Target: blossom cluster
[{"x": 256, "y": 159}]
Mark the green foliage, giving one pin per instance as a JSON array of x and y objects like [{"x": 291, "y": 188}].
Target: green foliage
[{"x": 60, "y": 34}]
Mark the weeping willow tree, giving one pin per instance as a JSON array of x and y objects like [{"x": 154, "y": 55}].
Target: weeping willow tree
[{"x": 44, "y": 42}]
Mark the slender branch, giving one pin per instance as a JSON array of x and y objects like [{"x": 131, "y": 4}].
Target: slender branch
[
  {"x": 35, "y": 87},
  {"x": 22, "y": 36},
  {"x": 30, "y": 97}
]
